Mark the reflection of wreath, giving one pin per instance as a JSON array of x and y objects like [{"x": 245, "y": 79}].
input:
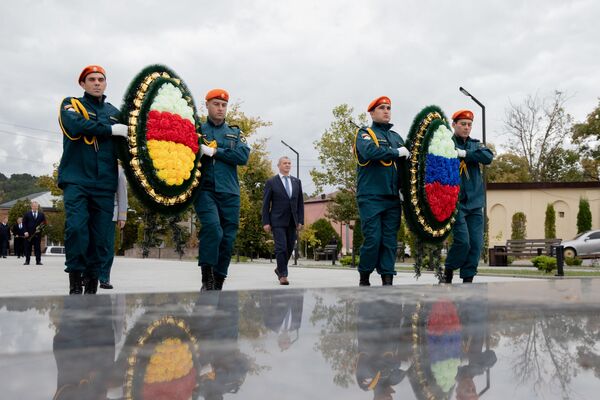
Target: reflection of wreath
[
  {"x": 431, "y": 182},
  {"x": 163, "y": 362},
  {"x": 436, "y": 345},
  {"x": 161, "y": 157}
]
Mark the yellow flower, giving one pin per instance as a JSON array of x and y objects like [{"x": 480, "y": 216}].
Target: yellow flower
[
  {"x": 171, "y": 360},
  {"x": 173, "y": 161}
]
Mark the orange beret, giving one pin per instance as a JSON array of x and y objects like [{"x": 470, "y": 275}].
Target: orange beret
[
  {"x": 220, "y": 94},
  {"x": 462, "y": 114},
  {"x": 91, "y": 69},
  {"x": 378, "y": 101}
]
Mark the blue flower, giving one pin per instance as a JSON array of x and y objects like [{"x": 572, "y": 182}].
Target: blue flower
[{"x": 441, "y": 169}]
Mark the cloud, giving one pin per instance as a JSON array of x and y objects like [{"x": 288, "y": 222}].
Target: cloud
[{"x": 292, "y": 62}]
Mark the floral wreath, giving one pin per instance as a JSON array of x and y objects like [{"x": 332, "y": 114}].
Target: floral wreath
[
  {"x": 430, "y": 184},
  {"x": 161, "y": 157}
]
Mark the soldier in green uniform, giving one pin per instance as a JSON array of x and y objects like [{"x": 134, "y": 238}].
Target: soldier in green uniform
[
  {"x": 87, "y": 174},
  {"x": 218, "y": 202},
  {"x": 467, "y": 232},
  {"x": 379, "y": 150}
]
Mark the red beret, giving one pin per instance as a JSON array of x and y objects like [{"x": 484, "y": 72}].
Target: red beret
[
  {"x": 91, "y": 69},
  {"x": 462, "y": 114},
  {"x": 220, "y": 94},
  {"x": 378, "y": 101}
]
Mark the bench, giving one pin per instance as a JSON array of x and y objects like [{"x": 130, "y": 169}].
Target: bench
[
  {"x": 527, "y": 247},
  {"x": 329, "y": 251}
]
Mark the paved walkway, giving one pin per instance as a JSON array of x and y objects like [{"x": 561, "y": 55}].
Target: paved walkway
[{"x": 132, "y": 275}]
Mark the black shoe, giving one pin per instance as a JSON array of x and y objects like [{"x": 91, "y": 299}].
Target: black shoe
[
  {"x": 75, "y": 286},
  {"x": 448, "y": 274},
  {"x": 38, "y": 263},
  {"x": 208, "y": 279},
  {"x": 468, "y": 280},
  {"x": 91, "y": 286},
  {"x": 364, "y": 279},
  {"x": 26, "y": 263},
  {"x": 106, "y": 285},
  {"x": 387, "y": 280},
  {"x": 219, "y": 279}
]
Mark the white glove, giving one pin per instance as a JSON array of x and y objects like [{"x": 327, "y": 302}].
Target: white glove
[
  {"x": 120, "y": 130},
  {"x": 461, "y": 153},
  {"x": 403, "y": 152},
  {"x": 208, "y": 151}
]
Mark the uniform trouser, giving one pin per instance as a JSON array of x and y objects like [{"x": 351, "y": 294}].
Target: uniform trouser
[
  {"x": 104, "y": 274},
  {"x": 284, "y": 238},
  {"x": 89, "y": 213},
  {"x": 219, "y": 215},
  {"x": 36, "y": 242},
  {"x": 19, "y": 246},
  {"x": 467, "y": 240},
  {"x": 379, "y": 221}
]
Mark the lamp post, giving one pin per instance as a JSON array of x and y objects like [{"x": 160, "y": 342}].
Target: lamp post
[
  {"x": 483, "y": 137},
  {"x": 299, "y": 194}
]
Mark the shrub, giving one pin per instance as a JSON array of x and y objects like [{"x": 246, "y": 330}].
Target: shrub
[
  {"x": 550, "y": 222},
  {"x": 570, "y": 261},
  {"x": 544, "y": 263},
  {"x": 510, "y": 260},
  {"x": 346, "y": 261},
  {"x": 584, "y": 216},
  {"x": 519, "y": 226}
]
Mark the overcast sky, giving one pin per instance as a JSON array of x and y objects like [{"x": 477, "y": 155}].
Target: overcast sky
[{"x": 291, "y": 62}]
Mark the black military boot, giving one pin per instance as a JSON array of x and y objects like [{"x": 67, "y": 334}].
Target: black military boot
[
  {"x": 387, "y": 280},
  {"x": 208, "y": 279},
  {"x": 468, "y": 280},
  {"x": 75, "y": 284},
  {"x": 448, "y": 274},
  {"x": 91, "y": 286},
  {"x": 219, "y": 279},
  {"x": 364, "y": 279}
]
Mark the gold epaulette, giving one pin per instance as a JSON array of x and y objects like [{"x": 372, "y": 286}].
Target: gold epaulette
[{"x": 376, "y": 141}]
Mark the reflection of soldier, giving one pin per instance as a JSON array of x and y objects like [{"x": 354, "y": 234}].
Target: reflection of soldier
[
  {"x": 282, "y": 313},
  {"x": 383, "y": 344},
  {"x": 223, "y": 367},
  {"x": 474, "y": 317},
  {"x": 84, "y": 348}
]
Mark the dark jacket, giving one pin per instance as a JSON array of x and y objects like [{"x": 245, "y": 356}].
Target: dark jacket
[
  {"x": 471, "y": 186},
  {"x": 4, "y": 232},
  {"x": 18, "y": 232},
  {"x": 278, "y": 208},
  {"x": 219, "y": 173},
  {"x": 89, "y": 158},
  {"x": 378, "y": 162},
  {"x": 30, "y": 223}
]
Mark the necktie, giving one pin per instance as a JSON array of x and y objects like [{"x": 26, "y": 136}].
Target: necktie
[
  {"x": 288, "y": 189},
  {"x": 20, "y": 226},
  {"x": 34, "y": 215}
]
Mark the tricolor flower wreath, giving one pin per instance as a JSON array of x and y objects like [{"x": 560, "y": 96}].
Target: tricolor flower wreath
[
  {"x": 430, "y": 184},
  {"x": 437, "y": 331},
  {"x": 161, "y": 158}
]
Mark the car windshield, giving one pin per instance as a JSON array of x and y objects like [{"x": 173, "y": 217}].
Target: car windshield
[{"x": 579, "y": 235}]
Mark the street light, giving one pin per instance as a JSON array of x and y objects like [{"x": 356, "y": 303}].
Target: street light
[
  {"x": 466, "y": 93},
  {"x": 299, "y": 194}
]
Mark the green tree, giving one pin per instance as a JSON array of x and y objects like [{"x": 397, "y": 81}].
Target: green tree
[
  {"x": 18, "y": 185},
  {"x": 586, "y": 135},
  {"x": 508, "y": 167},
  {"x": 562, "y": 166},
  {"x": 584, "y": 216},
  {"x": 18, "y": 210},
  {"x": 550, "y": 222},
  {"x": 335, "y": 152},
  {"x": 324, "y": 232},
  {"x": 519, "y": 226}
]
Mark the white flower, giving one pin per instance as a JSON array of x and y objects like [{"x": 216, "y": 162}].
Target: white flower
[{"x": 170, "y": 99}]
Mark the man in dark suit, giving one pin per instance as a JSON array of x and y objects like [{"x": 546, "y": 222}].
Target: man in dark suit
[
  {"x": 18, "y": 231},
  {"x": 4, "y": 237},
  {"x": 283, "y": 214},
  {"x": 31, "y": 220}
]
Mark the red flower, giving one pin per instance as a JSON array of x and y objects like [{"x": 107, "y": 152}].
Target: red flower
[
  {"x": 443, "y": 318},
  {"x": 171, "y": 127},
  {"x": 442, "y": 199}
]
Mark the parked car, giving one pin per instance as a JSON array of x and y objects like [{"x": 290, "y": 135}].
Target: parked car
[
  {"x": 55, "y": 251},
  {"x": 584, "y": 244}
]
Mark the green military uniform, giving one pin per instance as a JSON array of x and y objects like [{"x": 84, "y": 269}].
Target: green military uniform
[
  {"x": 377, "y": 197},
  {"x": 467, "y": 232},
  {"x": 218, "y": 201},
  {"x": 88, "y": 176}
]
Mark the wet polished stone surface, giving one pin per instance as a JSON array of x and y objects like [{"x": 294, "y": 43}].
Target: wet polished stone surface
[{"x": 536, "y": 339}]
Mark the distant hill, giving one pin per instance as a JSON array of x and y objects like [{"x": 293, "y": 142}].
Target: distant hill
[{"x": 18, "y": 185}]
